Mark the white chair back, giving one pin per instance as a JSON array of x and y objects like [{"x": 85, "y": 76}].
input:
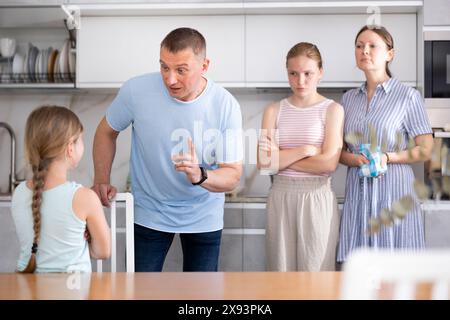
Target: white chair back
[
  {"x": 367, "y": 270},
  {"x": 129, "y": 232}
]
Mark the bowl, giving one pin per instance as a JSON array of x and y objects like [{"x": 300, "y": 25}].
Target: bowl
[{"x": 7, "y": 47}]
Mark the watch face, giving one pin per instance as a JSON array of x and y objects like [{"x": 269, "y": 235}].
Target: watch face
[{"x": 204, "y": 173}]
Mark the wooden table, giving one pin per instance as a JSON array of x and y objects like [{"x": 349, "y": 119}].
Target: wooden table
[{"x": 173, "y": 286}]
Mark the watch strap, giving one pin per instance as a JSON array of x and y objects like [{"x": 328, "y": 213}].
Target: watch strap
[{"x": 204, "y": 176}]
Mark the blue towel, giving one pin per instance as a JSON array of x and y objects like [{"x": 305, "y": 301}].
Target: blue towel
[{"x": 374, "y": 167}]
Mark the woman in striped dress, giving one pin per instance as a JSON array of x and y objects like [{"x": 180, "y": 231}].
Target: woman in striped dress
[
  {"x": 301, "y": 142},
  {"x": 393, "y": 110}
]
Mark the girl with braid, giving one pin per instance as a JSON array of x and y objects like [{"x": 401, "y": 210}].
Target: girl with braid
[{"x": 54, "y": 217}]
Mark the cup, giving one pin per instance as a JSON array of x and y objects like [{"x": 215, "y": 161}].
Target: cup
[{"x": 7, "y": 47}]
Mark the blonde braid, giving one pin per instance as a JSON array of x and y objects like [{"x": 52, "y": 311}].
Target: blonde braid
[
  {"x": 39, "y": 175},
  {"x": 47, "y": 134}
]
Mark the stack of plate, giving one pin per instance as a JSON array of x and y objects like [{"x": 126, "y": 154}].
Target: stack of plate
[{"x": 45, "y": 65}]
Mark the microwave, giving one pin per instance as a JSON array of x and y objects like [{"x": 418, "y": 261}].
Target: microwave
[{"x": 437, "y": 64}]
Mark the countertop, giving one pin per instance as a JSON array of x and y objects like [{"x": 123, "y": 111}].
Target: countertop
[
  {"x": 429, "y": 205},
  {"x": 172, "y": 285},
  {"x": 229, "y": 199}
]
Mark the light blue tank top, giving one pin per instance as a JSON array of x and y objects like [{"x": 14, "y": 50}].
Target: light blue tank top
[{"x": 62, "y": 246}]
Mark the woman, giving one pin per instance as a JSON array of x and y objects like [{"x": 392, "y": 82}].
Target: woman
[
  {"x": 392, "y": 110},
  {"x": 301, "y": 143}
]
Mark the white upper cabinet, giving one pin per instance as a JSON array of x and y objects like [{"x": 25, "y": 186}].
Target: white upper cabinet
[
  {"x": 111, "y": 50},
  {"x": 436, "y": 12},
  {"x": 269, "y": 38},
  {"x": 247, "y": 42}
]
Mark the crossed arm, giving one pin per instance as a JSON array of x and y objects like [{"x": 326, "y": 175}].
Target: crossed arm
[{"x": 305, "y": 158}]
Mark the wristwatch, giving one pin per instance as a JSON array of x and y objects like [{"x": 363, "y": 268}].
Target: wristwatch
[
  {"x": 387, "y": 158},
  {"x": 203, "y": 178}
]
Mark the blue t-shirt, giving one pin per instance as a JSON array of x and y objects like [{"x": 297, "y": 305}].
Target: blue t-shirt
[{"x": 165, "y": 200}]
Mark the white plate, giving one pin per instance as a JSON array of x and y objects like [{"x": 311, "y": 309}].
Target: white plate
[
  {"x": 56, "y": 69},
  {"x": 45, "y": 64},
  {"x": 64, "y": 60},
  {"x": 32, "y": 63},
  {"x": 26, "y": 68},
  {"x": 72, "y": 65},
  {"x": 18, "y": 64},
  {"x": 37, "y": 69}
]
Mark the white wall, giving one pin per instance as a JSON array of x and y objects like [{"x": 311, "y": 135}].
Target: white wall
[{"x": 91, "y": 107}]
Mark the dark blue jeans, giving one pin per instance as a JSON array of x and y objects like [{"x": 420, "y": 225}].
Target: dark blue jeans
[{"x": 200, "y": 250}]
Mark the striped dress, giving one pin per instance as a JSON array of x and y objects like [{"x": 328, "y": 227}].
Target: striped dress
[{"x": 395, "y": 108}]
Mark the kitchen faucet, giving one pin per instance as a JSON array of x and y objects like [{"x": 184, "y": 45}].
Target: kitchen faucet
[{"x": 12, "y": 176}]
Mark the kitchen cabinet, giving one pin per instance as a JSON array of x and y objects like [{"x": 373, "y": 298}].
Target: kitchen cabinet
[
  {"x": 254, "y": 242},
  {"x": 245, "y": 50},
  {"x": 247, "y": 40},
  {"x": 43, "y": 27},
  {"x": 245, "y": 222},
  {"x": 243, "y": 237},
  {"x": 437, "y": 226},
  {"x": 113, "y": 49},
  {"x": 34, "y": 3},
  {"x": 230, "y": 258},
  {"x": 9, "y": 244},
  {"x": 436, "y": 12},
  {"x": 269, "y": 38},
  {"x": 243, "y": 240},
  {"x": 231, "y": 247}
]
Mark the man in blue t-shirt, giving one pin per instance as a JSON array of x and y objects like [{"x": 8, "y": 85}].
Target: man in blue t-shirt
[{"x": 186, "y": 151}]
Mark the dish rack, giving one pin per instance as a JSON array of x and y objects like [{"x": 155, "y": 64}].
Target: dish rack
[{"x": 48, "y": 65}]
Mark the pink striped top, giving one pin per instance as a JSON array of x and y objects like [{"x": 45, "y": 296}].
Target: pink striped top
[{"x": 300, "y": 126}]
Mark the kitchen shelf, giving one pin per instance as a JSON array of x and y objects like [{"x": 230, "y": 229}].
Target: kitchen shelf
[
  {"x": 31, "y": 16},
  {"x": 37, "y": 86}
]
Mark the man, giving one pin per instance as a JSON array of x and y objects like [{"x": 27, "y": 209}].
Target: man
[{"x": 186, "y": 150}]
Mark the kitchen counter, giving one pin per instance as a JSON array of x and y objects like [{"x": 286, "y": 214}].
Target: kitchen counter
[
  {"x": 429, "y": 205},
  {"x": 5, "y": 204},
  {"x": 229, "y": 199}
]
